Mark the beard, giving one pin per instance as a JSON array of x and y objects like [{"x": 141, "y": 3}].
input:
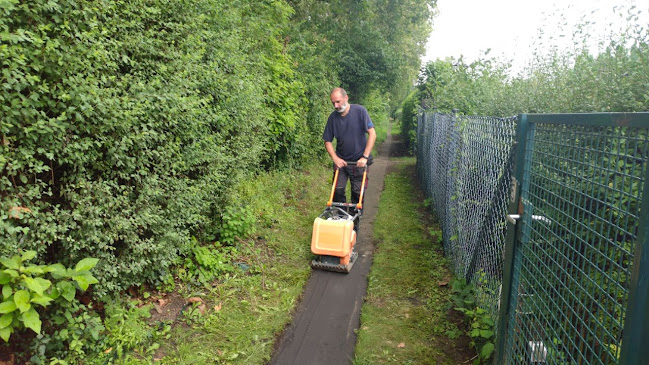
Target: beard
[{"x": 343, "y": 108}]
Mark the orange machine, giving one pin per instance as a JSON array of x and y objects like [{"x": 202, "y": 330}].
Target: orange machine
[{"x": 334, "y": 233}]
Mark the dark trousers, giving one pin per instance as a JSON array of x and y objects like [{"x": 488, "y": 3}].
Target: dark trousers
[{"x": 355, "y": 176}]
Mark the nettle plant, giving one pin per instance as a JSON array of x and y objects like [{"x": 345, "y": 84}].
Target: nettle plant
[{"x": 25, "y": 287}]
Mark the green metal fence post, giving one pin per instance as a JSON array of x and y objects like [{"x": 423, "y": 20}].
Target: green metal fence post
[
  {"x": 635, "y": 343},
  {"x": 510, "y": 242}
]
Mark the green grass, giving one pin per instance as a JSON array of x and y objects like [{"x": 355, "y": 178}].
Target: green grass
[
  {"x": 404, "y": 318},
  {"x": 246, "y": 310},
  {"x": 244, "y": 329}
]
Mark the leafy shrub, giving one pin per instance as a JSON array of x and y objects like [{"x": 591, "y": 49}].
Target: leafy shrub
[
  {"x": 205, "y": 263},
  {"x": 481, "y": 325},
  {"x": 409, "y": 119},
  {"x": 237, "y": 222},
  {"x": 27, "y": 292},
  {"x": 125, "y": 124},
  {"x": 24, "y": 288}
]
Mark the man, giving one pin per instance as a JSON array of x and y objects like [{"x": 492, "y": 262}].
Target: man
[{"x": 354, "y": 131}]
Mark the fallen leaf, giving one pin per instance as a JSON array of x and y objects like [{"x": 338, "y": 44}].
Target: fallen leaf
[
  {"x": 202, "y": 308},
  {"x": 14, "y": 212},
  {"x": 442, "y": 283},
  {"x": 108, "y": 350},
  {"x": 218, "y": 307},
  {"x": 163, "y": 302},
  {"x": 401, "y": 345},
  {"x": 195, "y": 300}
]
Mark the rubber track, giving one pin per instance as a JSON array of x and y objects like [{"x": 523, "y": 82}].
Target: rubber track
[
  {"x": 324, "y": 325},
  {"x": 337, "y": 268}
]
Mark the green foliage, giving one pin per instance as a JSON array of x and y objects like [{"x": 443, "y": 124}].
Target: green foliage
[
  {"x": 125, "y": 124},
  {"x": 79, "y": 332},
  {"x": 481, "y": 325},
  {"x": 129, "y": 331},
  {"x": 237, "y": 223},
  {"x": 607, "y": 78},
  {"x": 378, "y": 106},
  {"x": 34, "y": 296},
  {"x": 409, "y": 109},
  {"x": 206, "y": 263},
  {"x": 25, "y": 287},
  {"x": 371, "y": 44}
]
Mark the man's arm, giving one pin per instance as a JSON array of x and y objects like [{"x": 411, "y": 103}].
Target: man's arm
[
  {"x": 371, "y": 138},
  {"x": 339, "y": 162}
]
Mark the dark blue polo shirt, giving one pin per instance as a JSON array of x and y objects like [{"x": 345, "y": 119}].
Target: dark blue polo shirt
[{"x": 350, "y": 132}]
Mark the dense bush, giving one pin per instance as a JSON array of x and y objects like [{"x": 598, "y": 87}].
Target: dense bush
[
  {"x": 123, "y": 125},
  {"x": 409, "y": 109}
]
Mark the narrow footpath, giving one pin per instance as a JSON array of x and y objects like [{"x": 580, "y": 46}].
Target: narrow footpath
[{"x": 324, "y": 325}]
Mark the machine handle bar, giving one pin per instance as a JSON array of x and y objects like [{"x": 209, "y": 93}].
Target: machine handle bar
[{"x": 359, "y": 205}]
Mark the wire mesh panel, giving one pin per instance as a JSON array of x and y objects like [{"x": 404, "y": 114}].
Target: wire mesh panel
[
  {"x": 465, "y": 167},
  {"x": 581, "y": 195}
]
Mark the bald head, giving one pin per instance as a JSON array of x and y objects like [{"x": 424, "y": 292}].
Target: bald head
[{"x": 339, "y": 90}]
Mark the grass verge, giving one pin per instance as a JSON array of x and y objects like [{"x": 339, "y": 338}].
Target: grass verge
[
  {"x": 235, "y": 318},
  {"x": 245, "y": 312},
  {"x": 405, "y": 317}
]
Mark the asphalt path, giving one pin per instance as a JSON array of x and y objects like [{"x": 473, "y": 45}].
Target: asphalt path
[{"x": 323, "y": 330}]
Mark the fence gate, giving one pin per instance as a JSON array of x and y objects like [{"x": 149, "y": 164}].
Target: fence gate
[{"x": 576, "y": 267}]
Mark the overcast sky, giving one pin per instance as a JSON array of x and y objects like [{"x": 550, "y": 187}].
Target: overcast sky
[{"x": 510, "y": 27}]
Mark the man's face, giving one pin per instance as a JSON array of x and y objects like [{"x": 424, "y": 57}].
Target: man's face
[{"x": 339, "y": 102}]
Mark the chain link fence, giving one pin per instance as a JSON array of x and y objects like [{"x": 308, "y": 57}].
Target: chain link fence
[
  {"x": 465, "y": 165},
  {"x": 567, "y": 278}
]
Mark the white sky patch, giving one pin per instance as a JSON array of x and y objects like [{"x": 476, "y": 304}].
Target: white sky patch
[{"x": 511, "y": 28}]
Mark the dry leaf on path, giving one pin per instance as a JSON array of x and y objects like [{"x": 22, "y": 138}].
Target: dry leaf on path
[
  {"x": 202, "y": 308},
  {"x": 218, "y": 307},
  {"x": 195, "y": 300},
  {"x": 401, "y": 345}
]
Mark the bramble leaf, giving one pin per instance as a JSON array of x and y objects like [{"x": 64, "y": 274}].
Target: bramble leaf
[
  {"x": 21, "y": 298},
  {"x": 58, "y": 271},
  {"x": 5, "y": 333},
  {"x": 28, "y": 255},
  {"x": 85, "y": 281},
  {"x": 7, "y": 291},
  {"x": 4, "y": 278},
  {"x": 38, "y": 285},
  {"x": 486, "y": 350},
  {"x": 6, "y": 319},
  {"x": 86, "y": 264},
  {"x": 32, "y": 320},
  {"x": 11, "y": 263},
  {"x": 43, "y": 300},
  {"x": 67, "y": 290},
  {"x": 8, "y": 306}
]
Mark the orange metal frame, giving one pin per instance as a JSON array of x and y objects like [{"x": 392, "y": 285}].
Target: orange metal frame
[{"x": 359, "y": 205}]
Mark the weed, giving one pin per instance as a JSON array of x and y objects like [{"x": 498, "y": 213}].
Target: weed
[{"x": 481, "y": 325}]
